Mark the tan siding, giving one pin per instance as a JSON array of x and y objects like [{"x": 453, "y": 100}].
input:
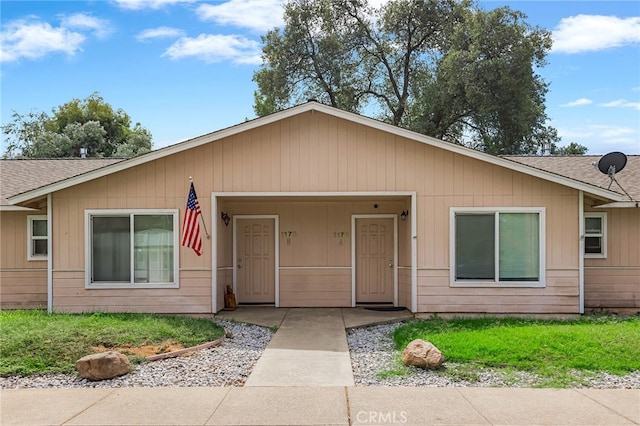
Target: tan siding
[
  {"x": 315, "y": 152},
  {"x": 23, "y": 289},
  {"x": 13, "y": 251},
  {"x": 612, "y": 288},
  {"x": 310, "y": 287},
  {"x": 613, "y": 283},
  {"x": 193, "y": 296},
  {"x": 559, "y": 296},
  {"x": 23, "y": 283},
  {"x": 404, "y": 287}
]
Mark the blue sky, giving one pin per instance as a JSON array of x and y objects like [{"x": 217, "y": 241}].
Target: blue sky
[{"x": 183, "y": 68}]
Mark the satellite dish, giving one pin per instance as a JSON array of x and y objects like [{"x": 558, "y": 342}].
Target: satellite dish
[{"x": 612, "y": 163}]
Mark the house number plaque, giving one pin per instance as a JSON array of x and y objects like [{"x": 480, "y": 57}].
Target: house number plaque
[
  {"x": 288, "y": 236},
  {"x": 340, "y": 236}
]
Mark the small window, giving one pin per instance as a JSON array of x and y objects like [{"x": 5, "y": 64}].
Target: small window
[
  {"x": 37, "y": 245},
  {"x": 595, "y": 235},
  {"x": 497, "y": 248},
  {"x": 132, "y": 249}
]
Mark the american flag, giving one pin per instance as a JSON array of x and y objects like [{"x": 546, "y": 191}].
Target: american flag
[{"x": 191, "y": 228}]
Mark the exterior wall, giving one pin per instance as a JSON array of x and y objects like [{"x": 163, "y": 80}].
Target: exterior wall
[
  {"x": 315, "y": 265},
  {"x": 314, "y": 152},
  {"x": 478, "y": 184},
  {"x": 23, "y": 282},
  {"x": 150, "y": 186},
  {"x": 613, "y": 284}
]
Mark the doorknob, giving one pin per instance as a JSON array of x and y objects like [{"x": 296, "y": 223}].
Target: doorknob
[{"x": 390, "y": 263}]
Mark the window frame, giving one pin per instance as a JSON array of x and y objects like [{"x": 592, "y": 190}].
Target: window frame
[
  {"x": 31, "y": 238},
  {"x": 603, "y": 242},
  {"x": 496, "y": 211},
  {"x": 89, "y": 214}
]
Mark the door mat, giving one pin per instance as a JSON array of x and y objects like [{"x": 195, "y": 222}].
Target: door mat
[{"x": 386, "y": 308}]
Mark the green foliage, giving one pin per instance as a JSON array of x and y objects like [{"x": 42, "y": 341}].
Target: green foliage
[
  {"x": 37, "y": 342},
  {"x": 572, "y": 149},
  {"x": 549, "y": 348},
  {"x": 90, "y": 123},
  {"x": 445, "y": 68}
]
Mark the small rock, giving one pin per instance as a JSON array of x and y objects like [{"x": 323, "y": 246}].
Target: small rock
[
  {"x": 423, "y": 354},
  {"x": 103, "y": 365}
]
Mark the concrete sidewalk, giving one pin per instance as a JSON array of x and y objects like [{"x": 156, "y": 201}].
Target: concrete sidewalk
[{"x": 319, "y": 406}]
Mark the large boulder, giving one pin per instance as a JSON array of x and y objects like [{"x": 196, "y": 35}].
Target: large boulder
[
  {"x": 103, "y": 365},
  {"x": 423, "y": 354}
]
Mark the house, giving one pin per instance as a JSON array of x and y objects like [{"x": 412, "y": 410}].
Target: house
[
  {"x": 315, "y": 207},
  {"x": 23, "y": 228}
]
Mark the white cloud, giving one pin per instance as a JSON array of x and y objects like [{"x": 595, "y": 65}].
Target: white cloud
[
  {"x": 622, "y": 103},
  {"x": 578, "y": 102},
  {"x": 83, "y": 21},
  {"x": 602, "y": 138},
  {"x": 148, "y": 4},
  {"x": 216, "y": 48},
  {"x": 23, "y": 39},
  {"x": 160, "y": 32},
  {"x": 259, "y": 15},
  {"x": 589, "y": 33}
]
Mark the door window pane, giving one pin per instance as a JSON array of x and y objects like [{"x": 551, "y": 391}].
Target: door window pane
[
  {"x": 475, "y": 246},
  {"x": 519, "y": 242},
  {"x": 111, "y": 249}
]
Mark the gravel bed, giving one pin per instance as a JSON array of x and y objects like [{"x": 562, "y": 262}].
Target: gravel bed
[
  {"x": 226, "y": 365},
  {"x": 376, "y": 362}
]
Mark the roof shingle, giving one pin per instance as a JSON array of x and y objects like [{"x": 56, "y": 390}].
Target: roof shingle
[
  {"x": 18, "y": 176},
  {"x": 584, "y": 169}
]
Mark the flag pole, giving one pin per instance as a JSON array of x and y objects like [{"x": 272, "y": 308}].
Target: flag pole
[{"x": 206, "y": 233}]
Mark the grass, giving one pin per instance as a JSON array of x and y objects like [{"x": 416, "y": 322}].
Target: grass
[
  {"x": 554, "y": 350},
  {"x": 37, "y": 342}
]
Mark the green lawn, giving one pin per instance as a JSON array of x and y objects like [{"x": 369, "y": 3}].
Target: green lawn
[
  {"x": 37, "y": 342},
  {"x": 552, "y": 349}
]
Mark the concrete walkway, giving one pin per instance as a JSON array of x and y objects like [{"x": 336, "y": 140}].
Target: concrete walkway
[
  {"x": 309, "y": 349},
  {"x": 310, "y": 346},
  {"x": 319, "y": 406}
]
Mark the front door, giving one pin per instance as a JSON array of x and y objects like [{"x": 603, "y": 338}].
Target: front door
[
  {"x": 374, "y": 260},
  {"x": 255, "y": 261}
]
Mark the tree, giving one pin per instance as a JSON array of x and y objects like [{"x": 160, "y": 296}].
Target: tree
[
  {"x": 445, "y": 68},
  {"x": 572, "y": 149},
  {"x": 89, "y": 123}
]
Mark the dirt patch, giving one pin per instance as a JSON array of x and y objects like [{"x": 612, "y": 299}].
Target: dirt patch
[{"x": 144, "y": 350}]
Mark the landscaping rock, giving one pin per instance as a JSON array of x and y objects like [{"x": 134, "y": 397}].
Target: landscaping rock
[
  {"x": 420, "y": 353},
  {"x": 103, "y": 365}
]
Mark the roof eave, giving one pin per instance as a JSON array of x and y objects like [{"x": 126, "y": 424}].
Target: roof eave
[
  {"x": 300, "y": 109},
  {"x": 11, "y": 208},
  {"x": 619, "y": 205}
]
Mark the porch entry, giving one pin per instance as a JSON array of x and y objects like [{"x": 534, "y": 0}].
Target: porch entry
[
  {"x": 375, "y": 259},
  {"x": 255, "y": 260}
]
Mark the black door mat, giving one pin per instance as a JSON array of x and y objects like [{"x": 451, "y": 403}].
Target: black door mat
[{"x": 386, "y": 308}]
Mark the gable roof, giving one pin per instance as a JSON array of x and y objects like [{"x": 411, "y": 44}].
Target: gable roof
[
  {"x": 584, "y": 169},
  {"x": 18, "y": 176},
  {"x": 325, "y": 109}
]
